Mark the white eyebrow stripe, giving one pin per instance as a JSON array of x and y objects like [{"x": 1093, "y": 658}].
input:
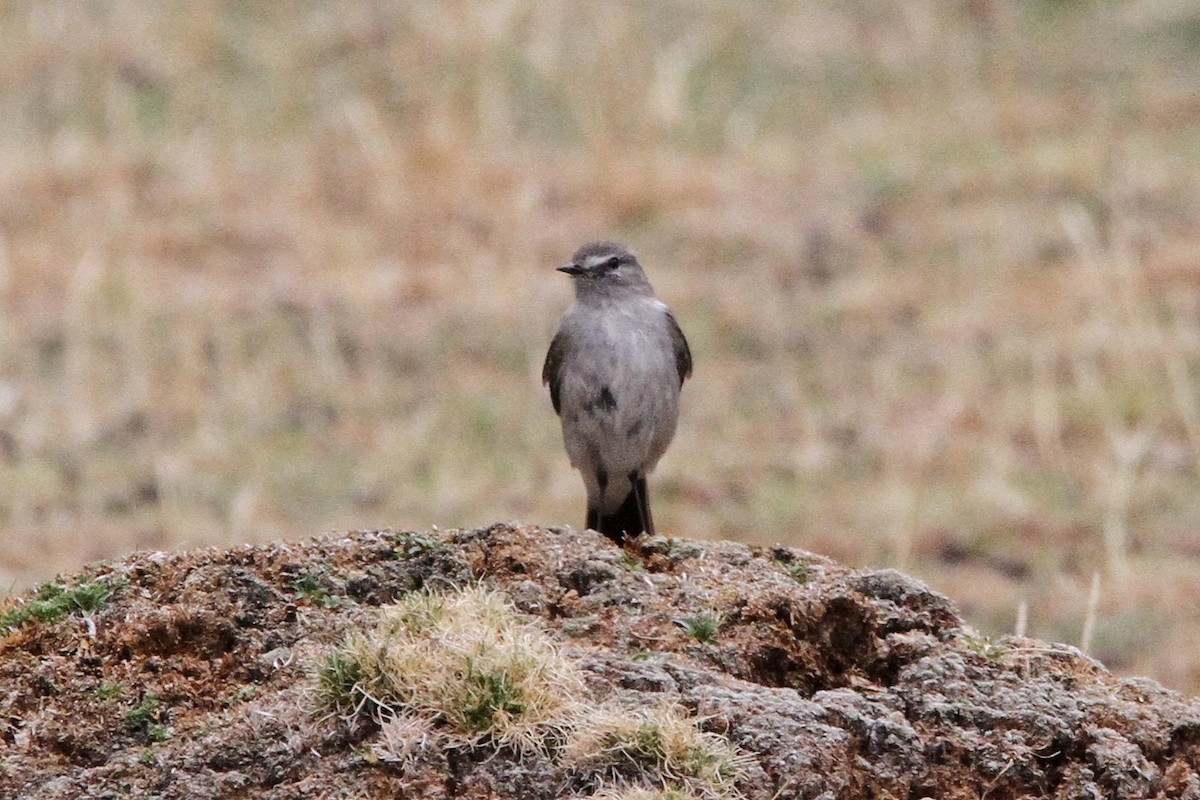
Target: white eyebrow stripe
[{"x": 597, "y": 260}]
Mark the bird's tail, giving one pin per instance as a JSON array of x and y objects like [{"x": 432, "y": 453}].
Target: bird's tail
[{"x": 628, "y": 521}]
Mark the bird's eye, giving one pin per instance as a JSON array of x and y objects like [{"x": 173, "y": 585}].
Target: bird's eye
[{"x": 613, "y": 263}]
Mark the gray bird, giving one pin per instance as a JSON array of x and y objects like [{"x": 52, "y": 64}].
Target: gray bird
[{"x": 615, "y": 369}]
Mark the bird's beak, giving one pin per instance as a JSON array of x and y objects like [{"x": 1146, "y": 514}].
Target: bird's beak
[{"x": 571, "y": 269}]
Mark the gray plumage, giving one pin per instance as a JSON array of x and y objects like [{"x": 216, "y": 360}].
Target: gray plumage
[{"x": 615, "y": 369}]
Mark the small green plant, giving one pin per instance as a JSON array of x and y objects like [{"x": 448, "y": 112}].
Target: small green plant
[
  {"x": 144, "y": 715},
  {"x": 339, "y": 680},
  {"x": 631, "y": 562},
  {"x": 984, "y": 646},
  {"x": 54, "y": 601},
  {"x": 801, "y": 573},
  {"x": 107, "y": 691},
  {"x": 701, "y": 627},
  {"x": 489, "y": 695},
  {"x": 309, "y": 588},
  {"x": 147, "y": 758},
  {"x": 414, "y": 545}
]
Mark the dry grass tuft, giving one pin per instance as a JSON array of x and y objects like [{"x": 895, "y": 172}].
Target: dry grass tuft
[
  {"x": 462, "y": 666},
  {"x": 643, "y": 793},
  {"x": 403, "y": 738},
  {"x": 466, "y": 669},
  {"x": 654, "y": 745}
]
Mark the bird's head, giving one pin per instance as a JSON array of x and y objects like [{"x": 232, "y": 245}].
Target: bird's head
[{"x": 601, "y": 266}]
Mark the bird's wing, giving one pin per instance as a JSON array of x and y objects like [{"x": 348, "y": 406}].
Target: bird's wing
[
  {"x": 552, "y": 369},
  {"x": 683, "y": 353}
]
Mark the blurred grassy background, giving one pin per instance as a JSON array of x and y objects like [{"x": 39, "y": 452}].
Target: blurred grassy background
[{"x": 268, "y": 269}]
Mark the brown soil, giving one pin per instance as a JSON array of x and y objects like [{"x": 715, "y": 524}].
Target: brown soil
[{"x": 836, "y": 683}]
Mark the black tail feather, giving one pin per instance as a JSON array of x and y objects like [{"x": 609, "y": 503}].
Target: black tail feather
[{"x": 628, "y": 521}]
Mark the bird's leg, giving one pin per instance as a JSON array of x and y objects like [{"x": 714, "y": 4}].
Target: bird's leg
[
  {"x": 637, "y": 484},
  {"x": 602, "y": 482}
]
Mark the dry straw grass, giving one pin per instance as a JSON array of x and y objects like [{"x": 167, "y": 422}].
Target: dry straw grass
[
  {"x": 461, "y": 668},
  {"x": 464, "y": 669},
  {"x": 656, "y": 745},
  {"x": 267, "y": 270},
  {"x": 643, "y": 793}
]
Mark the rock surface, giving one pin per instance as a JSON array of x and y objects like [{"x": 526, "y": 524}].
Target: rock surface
[{"x": 195, "y": 678}]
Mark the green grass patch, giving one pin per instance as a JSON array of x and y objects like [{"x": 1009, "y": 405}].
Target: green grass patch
[
  {"x": 800, "y": 572},
  {"x": 490, "y": 694},
  {"x": 310, "y": 589},
  {"x": 107, "y": 691},
  {"x": 54, "y": 601},
  {"x": 144, "y": 718},
  {"x": 631, "y": 563},
  {"x": 701, "y": 627},
  {"x": 985, "y": 646},
  {"x": 415, "y": 545},
  {"x": 339, "y": 679}
]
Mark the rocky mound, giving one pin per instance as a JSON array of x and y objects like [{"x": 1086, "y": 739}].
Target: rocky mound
[{"x": 198, "y": 675}]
